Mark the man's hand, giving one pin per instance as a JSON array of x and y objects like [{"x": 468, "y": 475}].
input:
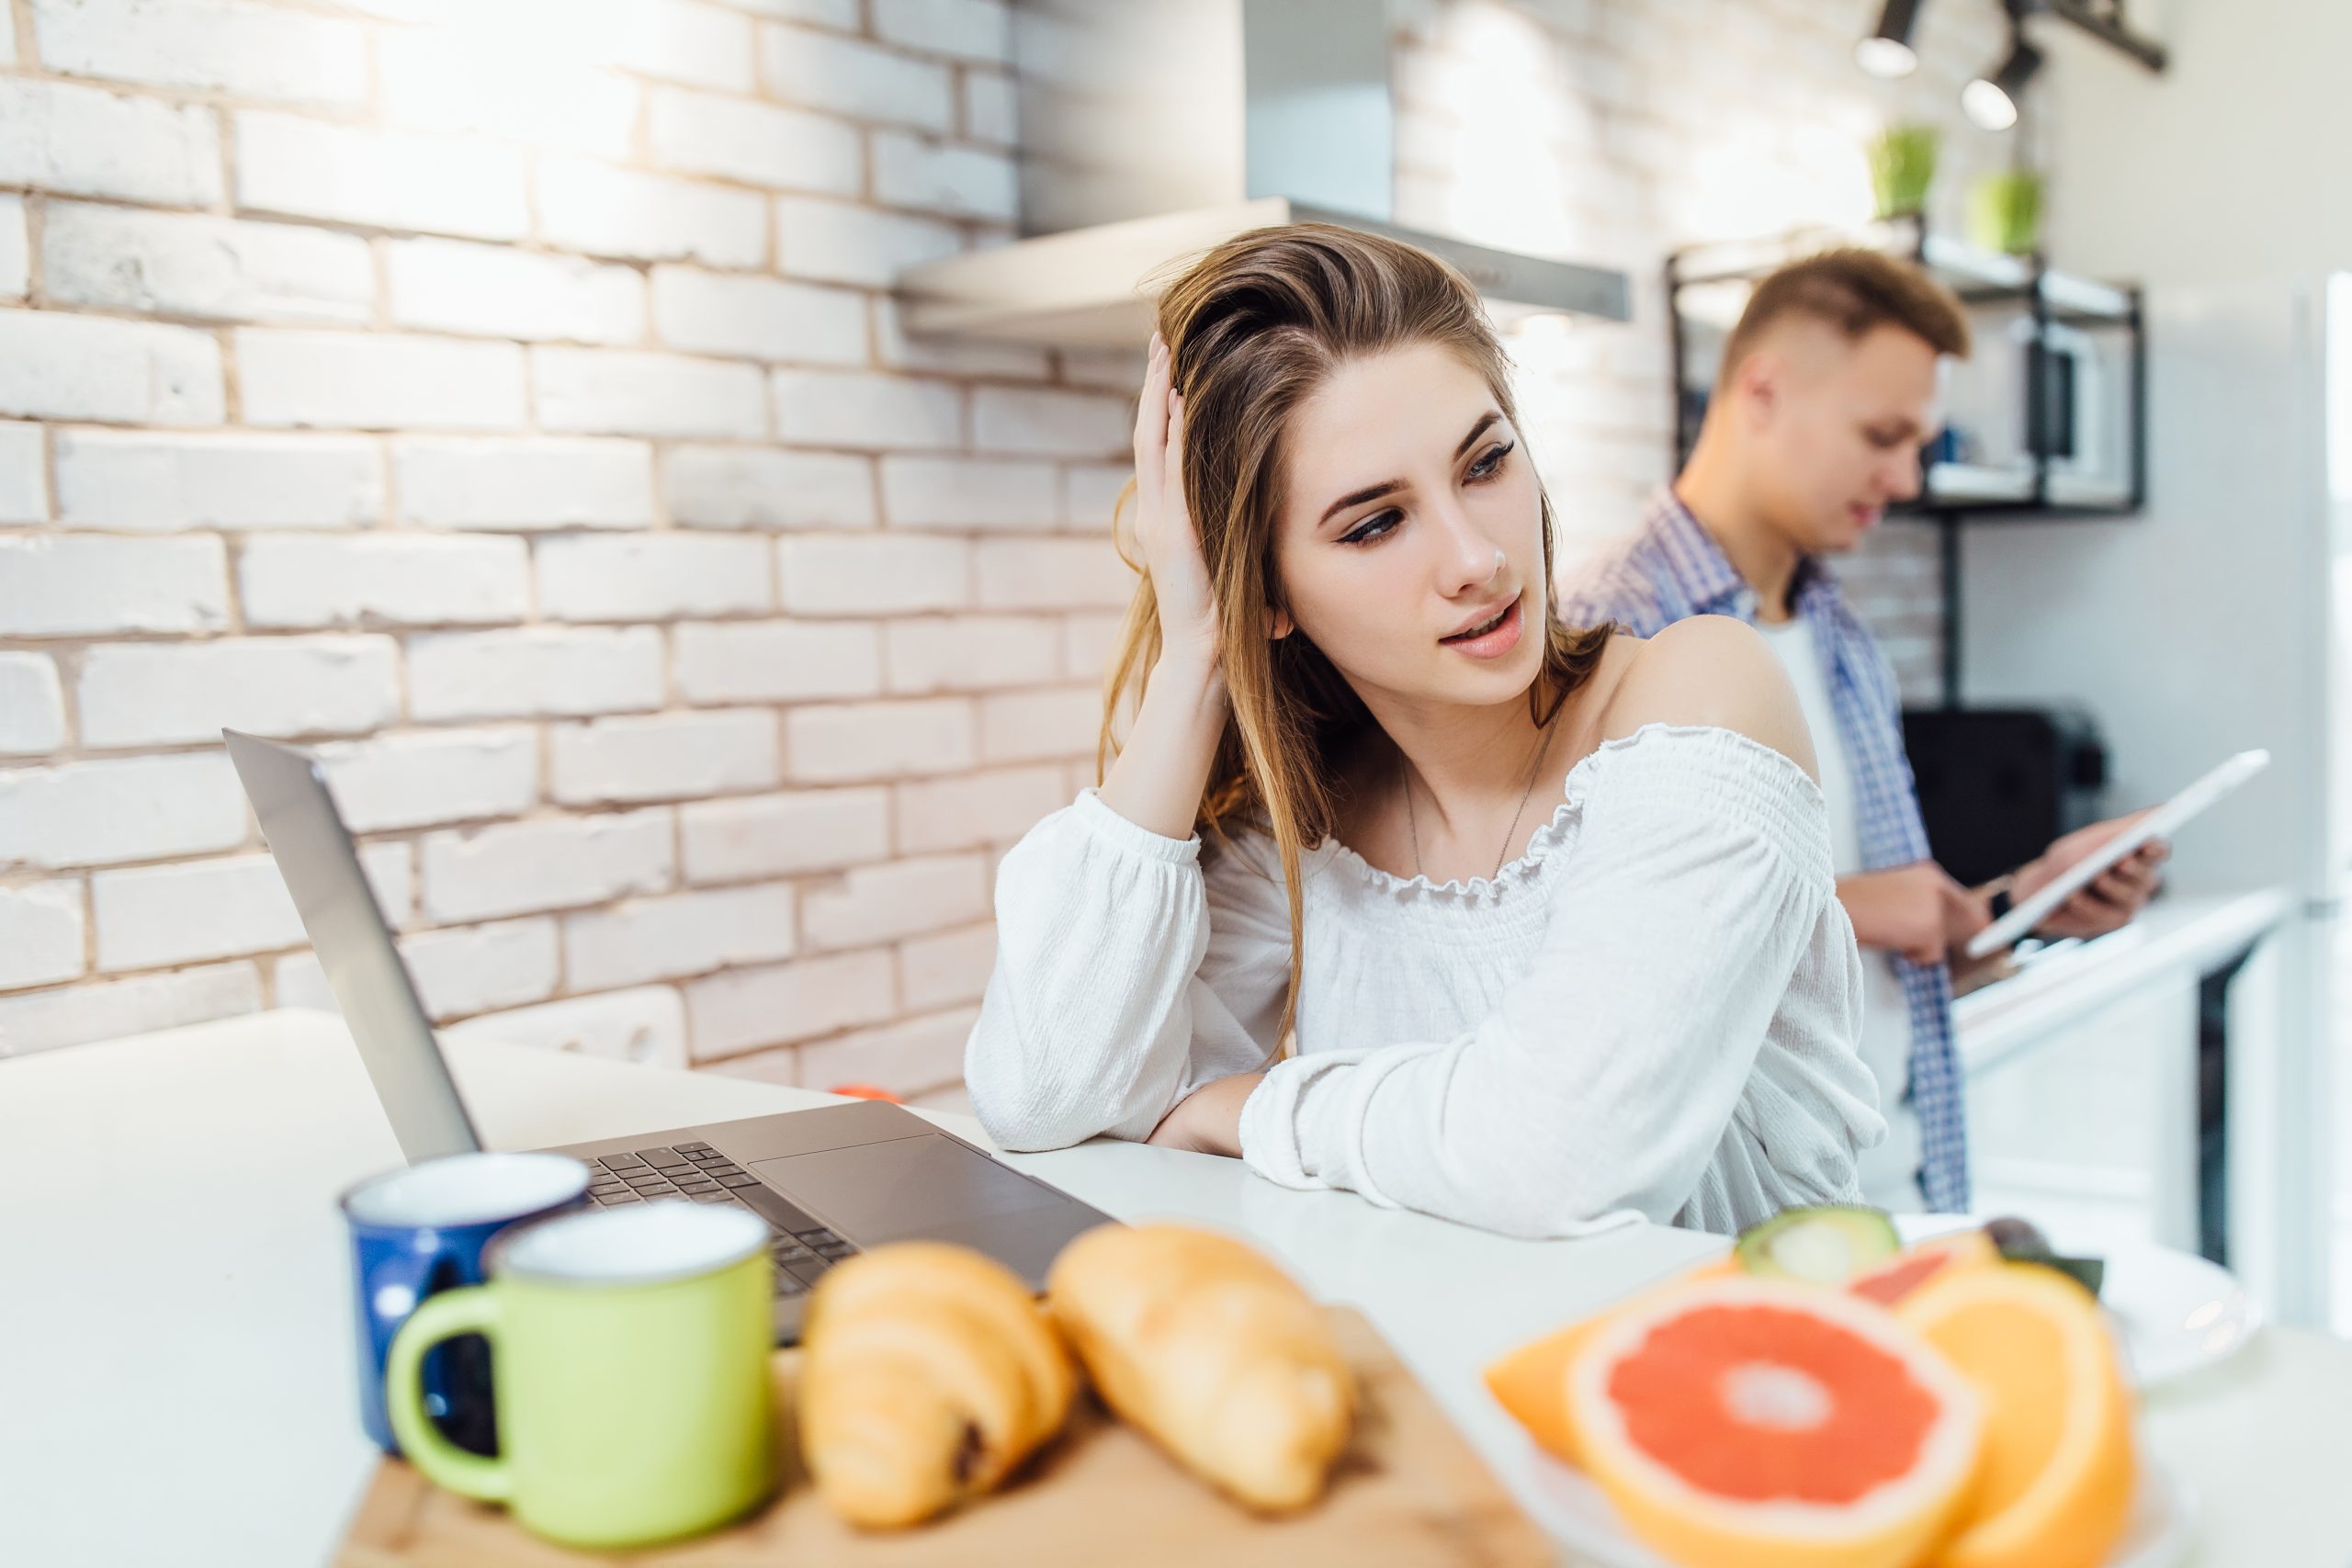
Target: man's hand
[
  {"x": 1208, "y": 1120},
  {"x": 2110, "y": 900},
  {"x": 1916, "y": 911}
]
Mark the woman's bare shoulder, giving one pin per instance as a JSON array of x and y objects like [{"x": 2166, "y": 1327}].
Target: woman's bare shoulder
[{"x": 1711, "y": 671}]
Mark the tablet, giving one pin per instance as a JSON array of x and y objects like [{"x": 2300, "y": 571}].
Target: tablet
[{"x": 2158, "y": 824}]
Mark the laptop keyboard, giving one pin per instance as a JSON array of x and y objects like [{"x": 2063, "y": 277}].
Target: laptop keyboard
[{"x": 802, "y": 1248}]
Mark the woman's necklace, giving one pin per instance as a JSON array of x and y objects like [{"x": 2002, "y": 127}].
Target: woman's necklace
[{"x": 1535, "y": 771}]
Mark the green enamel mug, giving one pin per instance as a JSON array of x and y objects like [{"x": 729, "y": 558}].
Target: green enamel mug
[{"x": 628, "y": 1369}]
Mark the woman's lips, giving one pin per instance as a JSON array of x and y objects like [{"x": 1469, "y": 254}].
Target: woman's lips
[{"x": 1494, "y": 643}]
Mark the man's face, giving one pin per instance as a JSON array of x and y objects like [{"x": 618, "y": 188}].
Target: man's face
[{"x": 1836, "y": 428}]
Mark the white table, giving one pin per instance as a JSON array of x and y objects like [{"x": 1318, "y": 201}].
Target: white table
[{"x": 176, "y": 1377}]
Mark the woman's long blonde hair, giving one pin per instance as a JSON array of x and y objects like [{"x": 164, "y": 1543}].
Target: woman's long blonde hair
[{"x": 1252, "y": 328}]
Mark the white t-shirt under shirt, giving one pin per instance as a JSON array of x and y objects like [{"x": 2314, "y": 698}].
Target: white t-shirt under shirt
[{"x": 1890, "y": 1172}]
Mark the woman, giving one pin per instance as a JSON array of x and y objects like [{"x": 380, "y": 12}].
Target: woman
[{"x": 1537, "y": 1007}]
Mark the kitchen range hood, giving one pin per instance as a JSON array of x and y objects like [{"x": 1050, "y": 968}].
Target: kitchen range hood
[{"x": 1151, "y": 129}]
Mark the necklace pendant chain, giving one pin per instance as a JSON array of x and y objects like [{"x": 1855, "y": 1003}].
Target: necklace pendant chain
[{"x": 1534, "y": 771}]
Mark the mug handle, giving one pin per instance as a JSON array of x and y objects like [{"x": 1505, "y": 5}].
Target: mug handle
[{"x": 471, "y": 1309}]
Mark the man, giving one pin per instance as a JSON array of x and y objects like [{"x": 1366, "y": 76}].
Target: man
[{"x": 1827, "y": 390}]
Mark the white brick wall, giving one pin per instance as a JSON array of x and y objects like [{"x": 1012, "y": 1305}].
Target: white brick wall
[
  {"x": 696, "y": 133},
  {"x": 533, "y": 670},
  {"x": 373, "y": 381},
  {"x": 209, "y": 908},
  {"x": 78, "y": 141},
  {"x": 32, "y": 705},
  {"x": 753, "y": 487},
  {"x": 803, "y": 1000},
  {"x": 645, "y": 1025},
  {"x": 615, "y": 393},
  {"x": 443, "y": 184},
  {"x": 299, "y": 580},
  {"x": 535, "y": 482},
  {"x": 873, "y": 574},
  {"x": 877, "y": 903},
  {"x": 531, "y": 431},
  {"x": 601, "y": 210},
  {"x": 253, "y": 51},
  {"x": 61, "y": 585},
  {"x": 777, "y": 661},
  {"x": 653, "y": 577},
  {"x": 686, "y": 934},
  {"x": 125, "y": 481},
  {"x": 828, "y": 409},
  {"x": 42, "y": 927},
  {"x": 839, "y": 242},
  {"x": 550, "y": 863},
  {"x": 54, "y": 366},
  {"x": 105, "y": 811},
  {"x": 455, "y": 286},
  {"x": 779, "y": 835},
  {"x": 177, "y": 264},
  {"x": 855, "y": 79},
  {"x": 15, "y": 250},
  {"x": 758, "y": 318},
  {"x": 433, "y": 776},
  {"x": 165, "y": 694},
  {"x": 663, "y": 757},
  {"x": 24, "y": 488}
]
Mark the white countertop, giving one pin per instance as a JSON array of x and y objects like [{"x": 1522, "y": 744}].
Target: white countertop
[
  {"x": 176, "y": 1350},
  {"x": 2184, "y": 936}
]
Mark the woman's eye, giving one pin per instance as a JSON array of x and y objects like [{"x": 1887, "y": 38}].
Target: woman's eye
[
  {"x": 1373, "y": 527},
  {"x": 1490, "y": 462}
]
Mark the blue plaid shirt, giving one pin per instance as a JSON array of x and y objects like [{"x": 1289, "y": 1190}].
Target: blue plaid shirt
[{"x": 1671, "y": 568}]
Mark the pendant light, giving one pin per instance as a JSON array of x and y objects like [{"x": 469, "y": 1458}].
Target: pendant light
[{"x": 1887, "y": 52}]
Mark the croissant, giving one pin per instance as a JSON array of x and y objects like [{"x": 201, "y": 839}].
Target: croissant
[
  {"x": 1213, "y": 1352},
  {"x": 928, "y": 1374}
]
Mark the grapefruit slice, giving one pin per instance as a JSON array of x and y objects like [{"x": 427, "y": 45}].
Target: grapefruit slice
[
  {"x": 1532, "y": 1383},
  {"x": 1890, "y": 1282},
  {"x": 2059, "y": 1466},
  {"x": 1755, "y": 1423}
]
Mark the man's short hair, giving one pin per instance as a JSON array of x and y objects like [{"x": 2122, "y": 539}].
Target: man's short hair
[{"x": 1852, "y": 291}]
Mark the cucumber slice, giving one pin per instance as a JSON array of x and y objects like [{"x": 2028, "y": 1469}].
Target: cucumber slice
[{"x": 1825, "y": 1246}]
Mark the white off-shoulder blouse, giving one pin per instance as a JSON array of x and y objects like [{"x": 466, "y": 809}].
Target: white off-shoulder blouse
[{"x": 1653, "y": 1012}]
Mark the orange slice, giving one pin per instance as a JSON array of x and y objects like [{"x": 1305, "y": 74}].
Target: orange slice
[
  {"x": 1759, "y": 1424},
  {"x": 1913, "y": 1268},
  {"x": 1532, "y": 1383},
  {"x": 2055, "y": 1490}
]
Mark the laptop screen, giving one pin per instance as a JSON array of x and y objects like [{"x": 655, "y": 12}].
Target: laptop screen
[{"x": 315, "y": 856}]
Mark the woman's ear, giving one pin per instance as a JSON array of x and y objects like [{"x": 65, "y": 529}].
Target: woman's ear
[{"x": 1278, "y": 624}]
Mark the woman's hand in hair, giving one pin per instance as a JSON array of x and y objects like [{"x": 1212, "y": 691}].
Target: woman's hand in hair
[
  {"x": 1208, "y": 1120},
  {"x": 1164, "y": 527}
]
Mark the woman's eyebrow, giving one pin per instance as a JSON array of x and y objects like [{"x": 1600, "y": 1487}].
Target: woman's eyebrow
[
  {"x": 1490, "y": 417},
  {"x": 1373, "y": 493}
]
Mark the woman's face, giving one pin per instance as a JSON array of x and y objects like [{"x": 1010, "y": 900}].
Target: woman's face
[{"x": 1411, "y": 515}]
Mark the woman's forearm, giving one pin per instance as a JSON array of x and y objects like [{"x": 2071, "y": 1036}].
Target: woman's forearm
[{"x": 1157, "y": 781}]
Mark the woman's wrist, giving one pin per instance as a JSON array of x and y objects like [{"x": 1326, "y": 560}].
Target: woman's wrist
[{"x": 1189, "y": 669}]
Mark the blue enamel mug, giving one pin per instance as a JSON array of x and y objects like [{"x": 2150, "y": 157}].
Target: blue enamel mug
[{"x": 420, "y": 1231}]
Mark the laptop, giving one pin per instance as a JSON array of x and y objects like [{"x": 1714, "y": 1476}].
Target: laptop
[{"x": 828, "y": 1181}]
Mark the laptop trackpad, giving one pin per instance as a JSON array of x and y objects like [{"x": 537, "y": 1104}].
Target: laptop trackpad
[{"x": 923, "y": 1186}]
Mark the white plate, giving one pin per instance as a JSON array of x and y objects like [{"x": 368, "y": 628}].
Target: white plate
[
  {"x": 2164, "y": 1519},
  {"x": 2176, "y": 1312}
]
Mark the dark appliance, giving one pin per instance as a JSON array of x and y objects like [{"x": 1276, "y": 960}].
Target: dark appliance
[{"x": 1998, "y": 784}]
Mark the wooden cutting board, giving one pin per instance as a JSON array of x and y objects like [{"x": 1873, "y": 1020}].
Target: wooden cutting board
[{"x": 1410, "y": 1492}]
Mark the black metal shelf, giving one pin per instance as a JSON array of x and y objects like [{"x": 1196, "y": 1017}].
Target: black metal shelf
[
  {"x": 1953, "y": 494},
  {"x": 2030, "y": 490}
]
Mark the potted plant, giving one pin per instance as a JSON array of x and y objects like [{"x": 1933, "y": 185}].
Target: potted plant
[{"x": 1902, "y": 164}]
